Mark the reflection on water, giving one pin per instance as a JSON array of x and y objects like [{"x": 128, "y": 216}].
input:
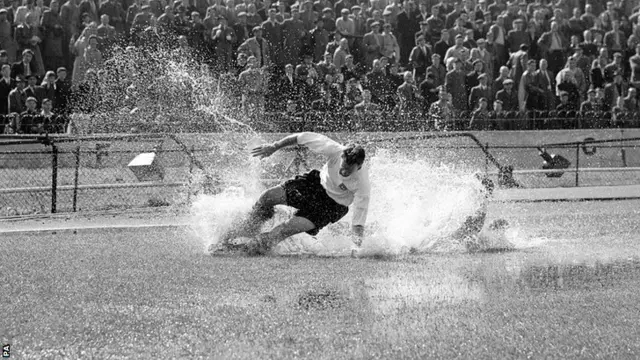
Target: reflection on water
[{"x": 478, "y": 280}]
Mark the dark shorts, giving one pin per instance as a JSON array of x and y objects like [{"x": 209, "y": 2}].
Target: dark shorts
[{"x": 306, "y": 194}]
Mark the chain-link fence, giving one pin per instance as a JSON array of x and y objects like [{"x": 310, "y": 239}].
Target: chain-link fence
[{"x": 96, "y": 173}]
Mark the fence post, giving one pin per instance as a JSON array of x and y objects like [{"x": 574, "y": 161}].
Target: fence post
[
  {"x": 54, "y": 177},
  {"x": 75, "y": 179},
  {"x": 577, "y": 164},
  {"x": 486, "y": 161}
]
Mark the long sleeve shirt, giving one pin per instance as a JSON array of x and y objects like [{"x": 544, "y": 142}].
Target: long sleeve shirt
[{"x": 354, "y": 189}]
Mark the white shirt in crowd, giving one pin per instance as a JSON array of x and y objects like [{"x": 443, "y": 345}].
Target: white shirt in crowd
[{"x": 354, "y": 189}]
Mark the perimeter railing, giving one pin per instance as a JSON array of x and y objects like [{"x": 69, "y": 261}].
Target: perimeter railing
[{"x": 52, "y": 174}]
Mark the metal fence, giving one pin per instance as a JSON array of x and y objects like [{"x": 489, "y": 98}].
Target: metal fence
[
  {"x": 393, "y": 121},
  {"x": 69, "y": 174}
]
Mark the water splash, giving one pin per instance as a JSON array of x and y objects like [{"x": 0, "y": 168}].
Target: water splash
[{"x": 416, "y": 207}]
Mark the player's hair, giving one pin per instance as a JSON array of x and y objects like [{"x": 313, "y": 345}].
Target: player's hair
[{"x": 354, "y": 154}]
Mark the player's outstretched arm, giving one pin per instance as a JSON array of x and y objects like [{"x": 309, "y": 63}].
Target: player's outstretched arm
[{"x": 267, "y": 150}]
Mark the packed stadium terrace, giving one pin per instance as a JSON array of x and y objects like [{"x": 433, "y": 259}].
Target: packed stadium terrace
[{"x": 479, "y": 64}]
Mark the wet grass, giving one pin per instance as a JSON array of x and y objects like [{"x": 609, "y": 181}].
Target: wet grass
[{"x": 152, "y": 294}]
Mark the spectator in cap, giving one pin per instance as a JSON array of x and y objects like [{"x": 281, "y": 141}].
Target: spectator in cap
[
  {"x": 372, "y": 43},
  {"x": 48, "y": 86},
  {"x": 33, "y": 89},
  {"x": 253, "y": 18},
  {"x": 307, "y": 69},
  {"x": 346, "y": 26},
  {"x": 390, "y": 47},
  {"x": 591, "y": 104},
  {"x": 340, "y": 5},
  {"x": 272, "y": 32},
  {"x": 498, "y": 37},
  {"x": 442, "y": 46},
  {"x": 326, "y": 66},
  {"x": 24, "y": 67},
  {"x": 425, "y": 32},
  {"x": 17, "y": 96},
  {"x": 223, "y": 38},
  {"x": 258, "y": 47},
  {"x": 340, "y": 55},
  {"x": 329, "y": 21},
  {"x": 28, "y": 37},
  {"x": 435, "y": 22},
  {"x": 107, "y": 35},
  {"x": 289, "y": 85},
  {"x": 334, "y": 44},
  {"x": 453, "y": 16},
  {"x": 90, "y": 8},
  {"x": 132, "y": 11},
  {"x": 483, "y": 54},
  {"x": 140, "y": 22},
  {"x": 366, "y": 106},
  {"x": 31, "y": 109},
  {"x": 7, "y": 41},
  {"x": 480, "y": 91},
  {"x": 63, "y": 92},
  {"x": 294, "y": 34},
  {"x": 429, "y": 91},
  {"x": 6, "y": 85},
  {"x": 408, "y": 93},
  {"x": 509, "y": 97},
  {"x": 115, "y": 13},
  {"x": 564, "y": 104},
  {"x": 615, "y": 66},
  {"x": 253, "y": 85},
  {"x": 454, "y": 83},
  {"x": 471, "y": 78},
  {"x": 551, "y": 46},
  {"x": 350, "y": 70},
  {"x": 457, "y": 51},
  {"x": 480, "y": 115},
  {"x": 406, "y": 33},
  {"x": 437, "y": 69},
  {"x": 241, "y": 28},
  {"x": 167, "y": 20},
  {"x": 196, "y": 33},
  {"x": 318, "y": 40},
  {"x": 615, "y": 40},
  {"x": 546, "y": 82},
  {"x": 441, "y": 113},
  {"x": 518, "y": 36},
  {"x": 420, "y": 59}
]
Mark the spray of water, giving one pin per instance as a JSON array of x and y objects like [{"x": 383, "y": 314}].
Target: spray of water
[{"x": 416, "y": 207}]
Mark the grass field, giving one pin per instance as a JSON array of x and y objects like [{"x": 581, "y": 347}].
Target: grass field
[{"x": 573, "y": 293}]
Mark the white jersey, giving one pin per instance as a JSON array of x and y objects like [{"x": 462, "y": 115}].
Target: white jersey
[{"x": 354, "y": 189}]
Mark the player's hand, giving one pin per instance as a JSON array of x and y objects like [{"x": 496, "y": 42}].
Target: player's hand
[{"x": 263, "y": 151}]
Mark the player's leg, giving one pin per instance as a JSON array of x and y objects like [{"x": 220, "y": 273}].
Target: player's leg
[
  {"x": 265, "y": 241},
  {"x": 262, "y": 210}
]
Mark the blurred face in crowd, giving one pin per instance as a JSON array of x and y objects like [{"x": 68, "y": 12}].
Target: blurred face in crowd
[
  {"x": 31, "y": 105},
  {"x": 328, "y": 58},
  {"x": 345, "y": 15},
  {"x": 504, "y": 72},
  {"x": 457, "y": 65},
  {"x": 6, "y": 71},
  {"x": 252, "y": 62},
  {"x": 543, "y": 64},
  {"x": 62, "y": 74},
  {"x": 26, "y": 58},
  {"x": 408, "y": 77},
  {"x": 588, "y": 37},
  {"x": 32, "y": 81},
  {"x": 387, "y": 28},
  {"x": 445, "y": 36},
  {"x": 366, "y": 96},
  {"x": 4, "y": 59},
  {"x": 531, "y": 66},
  {"x": 20, "y": 84},
  {"x": 591, "y": 95},
  {"x": 576, "y": 13},
  {"x": 288, "y": 70},
  {"x": 242, "y": 61},
  {"x": 258, "y": 34},
  {"x": 104, "y": 19},
  {"x": 435, "y": 59},
  {"x": 46, "y": 106},
  {"x": 500, "y": 21},
  {"x": 272, "y": 14},
  {"x": 344, "y": 44},
  {"x": 588, "y": 9},
  {"x": 477, "y": 67},
  {"x": 328, "y": 79},
  {"x": 349, "y": 60},
  {"x": 508, "y": 87},
  {"x": 242, "y": 19},
  {"x": 443, "y": 95},
  {"x": 295, "y": 14},
  {"x": 435, "y": 11},
  {"x": 459, "y": 41}
]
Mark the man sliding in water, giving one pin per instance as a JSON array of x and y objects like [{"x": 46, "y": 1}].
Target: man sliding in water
[{"x": 320, "y": 197}]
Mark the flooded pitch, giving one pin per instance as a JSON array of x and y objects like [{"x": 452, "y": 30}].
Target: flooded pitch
[{"x": 571, "y": 292}]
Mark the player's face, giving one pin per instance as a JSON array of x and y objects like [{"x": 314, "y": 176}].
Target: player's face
[{"x": 346, "y": 169}]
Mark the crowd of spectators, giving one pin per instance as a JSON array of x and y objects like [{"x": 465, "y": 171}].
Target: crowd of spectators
[{"x": 479, "y": 60}]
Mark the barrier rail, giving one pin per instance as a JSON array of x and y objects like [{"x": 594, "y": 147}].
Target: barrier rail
[{"x": 90, "y": 178}]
